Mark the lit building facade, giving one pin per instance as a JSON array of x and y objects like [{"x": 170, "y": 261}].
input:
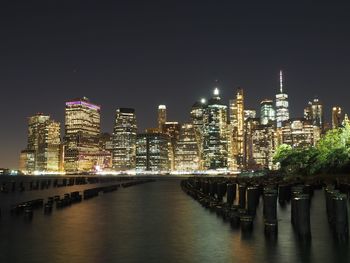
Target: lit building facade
[
  {"x": 172, "y": 129},
  {"x": 197, "y": 119},
  {"x": 236, "y": 132},
  {"x": 300, "y": 133},
  {"x": 124, "y": 140},
  {"x": 43, "y": 147},
  {"x": 27, "y": 161},
  {"x": 82, "y": 131},
  {"x": 35, "y": 124},
  {"x": 48, "y": 155},
  {"x": 151, "y": 130},
  {"x": 215, "y": 133},
  {"x": 260, "y": 145},
  {"x": 106, "y": 142},
  {"x": 152, "y": 152},
  {"x": 267, "y": 112},
  {"x": 249, "y": 113},
  {"x": 337, "y": 117},
  {"x": 187, "y": 156},
  {"x": 282, "y": 105},
  {"x": 314, "y": 113},
  {"x": 161, "y": 117}
]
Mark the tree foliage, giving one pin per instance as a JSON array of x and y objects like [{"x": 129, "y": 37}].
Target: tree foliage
[{"x": 330, "y": 155}]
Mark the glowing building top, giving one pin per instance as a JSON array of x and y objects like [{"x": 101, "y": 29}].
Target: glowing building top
[
  {"x": 216, "y": 92},
  {"x": 161, "y": 117},
  {"x": 282, "y": 111}
]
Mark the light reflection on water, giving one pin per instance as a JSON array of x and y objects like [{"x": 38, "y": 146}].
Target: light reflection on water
[{"x": 157, "y": 222}]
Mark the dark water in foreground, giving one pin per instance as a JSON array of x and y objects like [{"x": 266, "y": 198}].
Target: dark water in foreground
[{"x": 157, "y": 222}]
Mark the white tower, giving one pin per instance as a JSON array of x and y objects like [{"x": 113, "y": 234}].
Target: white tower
[{"x": 282, "y": 111}]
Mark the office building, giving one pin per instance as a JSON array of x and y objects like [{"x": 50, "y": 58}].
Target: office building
[
  {"x": 124, "y": 139},
  {"x": 260, "y": 145},
  {"x": 267, "y": 112},
  {"x": 314, "y": 113},
  {"x": 161, "y": 117},
  {"x": 152, "y": 152},
  {"x": 337, "y": 117},
  {"x": 172, "y": 129},
  {"x": 236, "y": 132},
  {"x": 187, "y": 156},
  {"x": 197, "y": 119},
  {"x": 81, "y": 139},
  {"x": 300, "y": 133},
  {"x": 215, "y": 133},
  {"x": 43, "y": 146},
  {"x": 282, "y": 105}
]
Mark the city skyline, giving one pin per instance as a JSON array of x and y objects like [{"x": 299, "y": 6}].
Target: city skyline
[
  {"x": 162, "y": 111},
  {"x": 177, "y": 131},
  {"x": 223, "y": 138},
  {"x": 144, "y": 55}
]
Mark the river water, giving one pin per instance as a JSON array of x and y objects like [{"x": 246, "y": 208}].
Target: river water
[{"x": 157, "y": 222}]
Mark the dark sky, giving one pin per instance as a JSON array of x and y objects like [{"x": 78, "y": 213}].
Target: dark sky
[{"x": 144, "y": 53}]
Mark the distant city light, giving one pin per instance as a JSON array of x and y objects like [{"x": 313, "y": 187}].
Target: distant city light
[{"x": 216, "y": 92}]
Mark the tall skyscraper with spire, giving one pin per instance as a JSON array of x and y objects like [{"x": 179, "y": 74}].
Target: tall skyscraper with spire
[{"x": 282, "y": 111}]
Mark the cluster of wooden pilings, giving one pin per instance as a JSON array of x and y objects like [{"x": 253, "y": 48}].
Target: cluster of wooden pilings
[
  {"x": 26, "y": 208},
  {"x": 220, "y": 194},
  {"x": 337, "y": 212},
  {"x": 26, "y": 184}
]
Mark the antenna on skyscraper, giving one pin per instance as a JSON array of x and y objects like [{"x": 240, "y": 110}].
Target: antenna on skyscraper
[{"x": 281, "y": 81}]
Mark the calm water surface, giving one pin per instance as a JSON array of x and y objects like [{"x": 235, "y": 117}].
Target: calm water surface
[{"x": 157, "y": 222}]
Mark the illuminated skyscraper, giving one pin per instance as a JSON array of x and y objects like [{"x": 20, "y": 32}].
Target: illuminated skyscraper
[
  {"x": 282, "y": 111},
  {"x": 49, "y": 146},
  {"x": 267, "y": 112},
  {"x": 42, "y": 152},
  {"x": 172, "y": 129},
  {"x": 186, "y": 152},
  {"x": 124, "y": 139},
  {"x": 82, "y": 131},
  {"x": 104, "y": 156},
  {"x": 152, "y": 152},
  {"x": 251, "y": 125},
  {"x": 161, "y": 117},
  {"x": 260, "y": 144},
  {"x": 337, "y": 117},
  {"x": 314, "y": 113},
  {"x": 215, "y": 133},
  {"x": 300, "y": 133},
  {"x": 236, "y": 131},
  {"x": 34, "y": 125},
  {"x": 197, "y": 118}
]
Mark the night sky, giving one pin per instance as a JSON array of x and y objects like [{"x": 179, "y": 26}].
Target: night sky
[{"x": 144, "y": 53}]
